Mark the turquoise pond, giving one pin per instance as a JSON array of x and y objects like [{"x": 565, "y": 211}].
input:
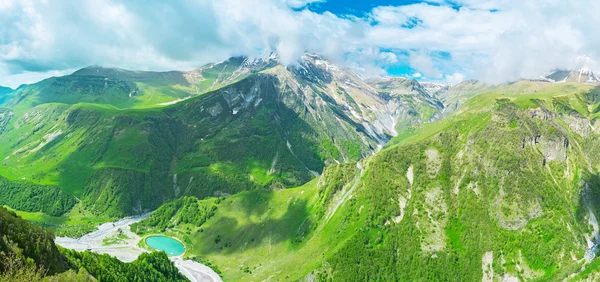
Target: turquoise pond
[{"x": 169, "y": 245}]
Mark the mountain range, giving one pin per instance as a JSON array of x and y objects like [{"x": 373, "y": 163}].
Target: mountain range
[
  {"x": 116, "y": 139},
  {"x": 310, "y": 172}
]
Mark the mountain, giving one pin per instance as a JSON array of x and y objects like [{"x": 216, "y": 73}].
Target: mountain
[
  {"x": 123, "y": 142},
  {"x": 310, "y": 172},
  {"x": 584, "y": 71},
  {"x": 505, "y": 188},
  {"x": 410, "y": 102},
  {"x": 4, "y": 94},
  {"x": 435, "y": 88},
  {"x": 125, "y": 89},
  {"x": 454, "y": 96}
]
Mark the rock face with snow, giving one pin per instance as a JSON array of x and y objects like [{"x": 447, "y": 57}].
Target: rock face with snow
[
  {"x": 585, "y": 70},
  {"x": 408, "y": 102},
  {"x": 380, "y": 105}
]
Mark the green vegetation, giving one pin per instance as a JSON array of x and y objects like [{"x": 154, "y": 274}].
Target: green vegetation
[
  {"x": 74, "y": 223},
  {"x": 507, "y": 183},
  {"x": 116, "y": 161},
  {"x": 147, "y": 267},
  {"x": 247, "y": 229},
  {"x": 28, "y": 253},
  {"x": 23, "y": 243},
  {"x": 207, "y": 263},
  {"x": 462, "y": 205},
  {"x": 183, "y": 211},
  {"x": 33, "y": 198},
  {"x": 116, "y": 87},
  {"x": 5, "y": 94},
  {"x": 504, "y": 187}
]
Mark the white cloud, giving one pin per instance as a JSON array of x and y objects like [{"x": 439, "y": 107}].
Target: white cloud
[
  {"x": 16, "y": 80},
  {"x": 515, "y": 39},
  {"x": 495, "y": 40},
  {"x": 388, "y": 57},
  {"x": 417, "y": 75},
  {"x": 297, "y": 4},
  {"x": 156, "y": 35},
  {"x": 422, "y": 62},
  {"x": 455, "y": 78}
]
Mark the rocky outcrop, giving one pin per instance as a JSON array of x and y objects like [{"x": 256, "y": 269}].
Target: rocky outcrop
[
  {"x": 541, "y": 113},
  {"x": 578, "y": 124},
  {"x": 554, "y": 149}
]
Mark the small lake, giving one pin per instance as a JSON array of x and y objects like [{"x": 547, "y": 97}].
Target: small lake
[{"x": 162, "y": 243}]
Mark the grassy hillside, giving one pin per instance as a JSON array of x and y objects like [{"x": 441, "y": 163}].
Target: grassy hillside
[
  {"x": 119, "y": 88},
  {"x": 252, "y": 133},
  {"x": 125, "y": 89},
  {"x": 75, "y": 223},
  {"x": 5, "y": 94},
  {"x": 123, "y": 142},
  {"x": 259, "y": 234},
  {"x": 507, "y": 184},
  {"x": 507, "y": 187}
]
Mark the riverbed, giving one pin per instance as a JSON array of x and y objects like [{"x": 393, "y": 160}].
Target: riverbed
[{"x": 124, "y": 246}]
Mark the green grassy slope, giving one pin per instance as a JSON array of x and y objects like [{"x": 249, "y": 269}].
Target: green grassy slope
[
  {"x": 252, "y": 133},
  {"x": 507, "y": 186},
  {"x": 505, "y": 182},
  {"x": 126, "y": 89},
  {"x": 259, "y": 234},
  {"x": 5, "y": 94},
  {"x": 119, "y": 88}
]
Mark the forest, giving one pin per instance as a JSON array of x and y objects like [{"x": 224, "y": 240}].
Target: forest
[{"x": 28, "y": 253}]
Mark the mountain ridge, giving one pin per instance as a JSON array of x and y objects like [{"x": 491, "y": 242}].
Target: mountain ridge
[
  {"x": 77, "y": 132},
  {"x": 502, "y": 188}
]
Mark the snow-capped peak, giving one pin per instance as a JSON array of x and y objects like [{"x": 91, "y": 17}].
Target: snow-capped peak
[{"x": 585, "y": 70}]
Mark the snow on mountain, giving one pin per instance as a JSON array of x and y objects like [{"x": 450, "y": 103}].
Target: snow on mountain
[{"x": 585, "y": 70}]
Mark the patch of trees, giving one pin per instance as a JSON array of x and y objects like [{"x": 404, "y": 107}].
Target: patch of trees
[
  {"x": 27, "y": 245},
  {"x": 186, "y": 210},
  {"x": 35, "y": 198},
  {"x": 147, "y": 267}
]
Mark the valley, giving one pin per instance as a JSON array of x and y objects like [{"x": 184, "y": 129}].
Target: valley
[
  {"x": 308, "y": 172},
  {"x": 130, "y": 247},
  {"x": 299, "y": 141}
]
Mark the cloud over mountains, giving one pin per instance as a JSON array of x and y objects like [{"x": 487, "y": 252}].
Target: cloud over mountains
[{"x": 495, "y": 40}]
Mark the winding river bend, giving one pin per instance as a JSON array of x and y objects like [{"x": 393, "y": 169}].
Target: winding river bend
[{"x": 126, "y": 249}]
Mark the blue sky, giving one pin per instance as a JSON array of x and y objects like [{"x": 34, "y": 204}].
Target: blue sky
[
  {"x": 440, "y": 40},
  {"x": 355, "y": 7}
]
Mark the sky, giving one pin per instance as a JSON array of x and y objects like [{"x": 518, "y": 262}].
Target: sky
[{"x": 438, "y": 40}]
